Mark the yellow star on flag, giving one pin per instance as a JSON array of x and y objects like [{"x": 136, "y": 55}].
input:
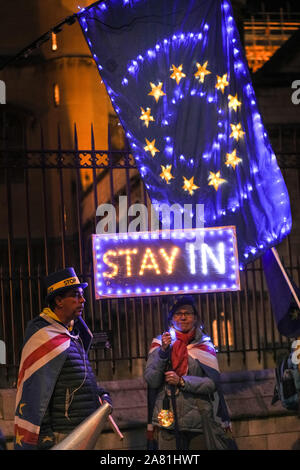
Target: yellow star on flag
[
  {"x": 234, "y": 102},
  {"x": 215, "y": 180},
  {"x": 156, "y": 91},
  {"x": 189, "y": 185},
  {"x": 222, "y": 82},
  {"x": 21, "y": 408},
  {"x": 177, "y": 73},
  {"x": 19, "y": 438},
  {"x": 150, "y": 147},
  {"x": 237, "y": 131},
  {"x": 47, "y": 438},
  {"x": 166, "y": 173},
  {"x": 146, "y": 116},
  {"x": 201, "y": 72},
  {"x": 232, "y": 159}
]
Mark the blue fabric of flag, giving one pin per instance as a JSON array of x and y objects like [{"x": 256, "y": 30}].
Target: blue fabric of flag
[
  {"x": 198, "y": 137},
  {"x": 285, "y": 309}
]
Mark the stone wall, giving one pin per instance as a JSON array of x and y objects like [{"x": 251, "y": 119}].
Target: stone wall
[{"x": 257, "y": 425}]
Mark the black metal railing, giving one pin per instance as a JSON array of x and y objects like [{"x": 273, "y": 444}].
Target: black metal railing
[{"x": 49, "y": 199}]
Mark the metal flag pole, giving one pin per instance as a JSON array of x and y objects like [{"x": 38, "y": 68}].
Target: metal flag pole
[
  {"x": 39, "y": 41},
  {"x": 26, "y": 51},
  {"x": 113, "y": 424}
]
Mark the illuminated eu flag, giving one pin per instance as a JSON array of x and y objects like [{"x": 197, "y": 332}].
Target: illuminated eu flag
[{"x": 178, "y": 79}]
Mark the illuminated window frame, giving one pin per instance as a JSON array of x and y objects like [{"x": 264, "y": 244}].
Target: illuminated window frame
[
  {"x": 56, "y": 95},
  {"x": 225, "y": 331},
  {"x": 54, "y": 44}
]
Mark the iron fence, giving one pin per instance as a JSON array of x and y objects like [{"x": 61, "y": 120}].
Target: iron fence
[{"x": 49, "y": 199}]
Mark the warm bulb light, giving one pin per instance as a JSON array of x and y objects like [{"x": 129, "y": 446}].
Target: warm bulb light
[
  {"x": 166, "y": 173},
  {"x": 146, "y": 116},
  {"x": 153, "y": 265},
  {"x": 114, "y": 266},
  {"x": 169, "y": 259},
  {"x": 150, "y": 147},
  {"x": 202, "y": 71},
  {"x": 189, "y": 185},
  {"x": 215, "y": 180},
  {"x": 177, "y": 73},
  {"x": 156, "y": 91},
  {"x": 237, "y": 131}
]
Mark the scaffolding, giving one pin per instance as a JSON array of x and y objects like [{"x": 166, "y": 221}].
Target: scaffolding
[{"x": 265, "y": 32}]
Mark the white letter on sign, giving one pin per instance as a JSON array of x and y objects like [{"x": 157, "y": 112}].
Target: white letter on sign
[{"x": 219, "y": 264}]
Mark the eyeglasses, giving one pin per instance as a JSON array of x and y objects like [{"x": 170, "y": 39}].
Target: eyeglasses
[
  {"x": 75, "y": 293},
  {"x": 180, "y": 314}
]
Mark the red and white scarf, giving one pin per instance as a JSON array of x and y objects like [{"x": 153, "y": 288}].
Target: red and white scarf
[{"x": 182, "y": 347}]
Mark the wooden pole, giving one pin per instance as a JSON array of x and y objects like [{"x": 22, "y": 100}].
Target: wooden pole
[{"x": 113, "y": 424}]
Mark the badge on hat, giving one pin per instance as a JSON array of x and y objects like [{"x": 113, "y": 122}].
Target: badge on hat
[{"x": 60, "y": 281}]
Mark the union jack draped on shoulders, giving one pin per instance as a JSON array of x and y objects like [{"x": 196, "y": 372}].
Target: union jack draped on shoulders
[
  {"x": 43, "y": 355},
  {"x": 202, "y": 349}
]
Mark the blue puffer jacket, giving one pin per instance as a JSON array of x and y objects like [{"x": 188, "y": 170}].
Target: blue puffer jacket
[
  {"x": 190, "y": 401},
  {"x": 75, "y": 396},
  {"x": 2, "y": 441}
]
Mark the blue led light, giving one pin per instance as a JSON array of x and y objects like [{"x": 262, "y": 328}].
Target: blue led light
[
  {"x": 169, "y": 150},
  {"x": 146, "y": 239},
  {"x": 151, "y": 53}
]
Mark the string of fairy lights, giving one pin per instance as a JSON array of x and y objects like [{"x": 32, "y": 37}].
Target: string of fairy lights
[{"x": 232, "y": 159}]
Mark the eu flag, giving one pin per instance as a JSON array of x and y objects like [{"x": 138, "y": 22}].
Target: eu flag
[{"x": 178, "y": 79}]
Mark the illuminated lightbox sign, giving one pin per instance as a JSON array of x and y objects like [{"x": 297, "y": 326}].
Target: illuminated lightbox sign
[{"x": 166, "y": 262}]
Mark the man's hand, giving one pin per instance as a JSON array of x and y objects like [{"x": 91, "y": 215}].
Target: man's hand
[
  {"x": 106, "y": 398},
  {"x": 165, "y": 341},
  {"x": 172, "y": 378}
]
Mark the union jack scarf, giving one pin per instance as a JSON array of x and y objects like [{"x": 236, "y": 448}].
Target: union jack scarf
[
  {"x": 43, "y": 355},
  {"x": 203, "y": 350}
]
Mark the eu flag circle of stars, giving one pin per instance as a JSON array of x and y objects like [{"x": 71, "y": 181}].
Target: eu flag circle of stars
[{"x": 232, "y": 159}]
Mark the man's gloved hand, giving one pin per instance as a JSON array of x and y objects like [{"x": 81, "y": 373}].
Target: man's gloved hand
[{"x": 106, "y": 397}]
